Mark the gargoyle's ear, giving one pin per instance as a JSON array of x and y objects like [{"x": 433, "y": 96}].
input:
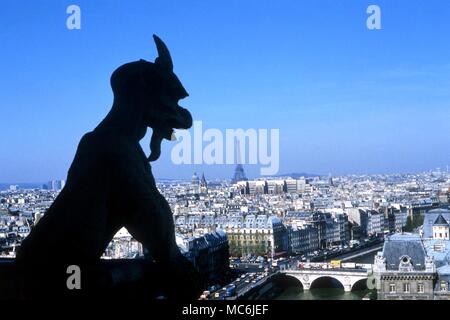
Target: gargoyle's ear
[{"x": 163, "y": 60}]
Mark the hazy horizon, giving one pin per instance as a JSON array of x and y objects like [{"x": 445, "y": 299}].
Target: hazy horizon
[{"x": 199, "y": 173}]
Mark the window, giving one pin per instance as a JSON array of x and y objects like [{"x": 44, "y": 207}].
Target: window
[
  {"x": 392, "y": 288},
  {"x": 420, "y": 288},
  {"x": 439, "y": 247},
  {"x": 405, "y": 259},
  {"x": 443, "y": 286},
  {"x": 406, "y": 287}
]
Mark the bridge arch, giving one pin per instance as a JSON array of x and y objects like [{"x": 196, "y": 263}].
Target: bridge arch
[
  {"x": 287, "y": 280},
  {"x": 360, "y": 284},
  {"x": 334, "y": 282}
]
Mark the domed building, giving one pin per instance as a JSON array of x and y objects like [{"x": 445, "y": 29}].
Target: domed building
[{"x": 195, "y": 183}]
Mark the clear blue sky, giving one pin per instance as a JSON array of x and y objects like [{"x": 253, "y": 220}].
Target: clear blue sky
[{"x": 346, "y": 99}]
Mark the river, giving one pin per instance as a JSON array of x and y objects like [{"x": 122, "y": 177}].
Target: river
[{"x": 328, "y": 289}]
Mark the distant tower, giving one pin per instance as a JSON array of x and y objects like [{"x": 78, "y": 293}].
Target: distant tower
[
  {"x": 330, "y": 180},
  {"x": 203, "y": 184},
  {"x": 239, "y": 174}
]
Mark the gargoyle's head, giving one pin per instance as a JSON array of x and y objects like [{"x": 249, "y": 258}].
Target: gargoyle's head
[{"x": 154, "y": 90}]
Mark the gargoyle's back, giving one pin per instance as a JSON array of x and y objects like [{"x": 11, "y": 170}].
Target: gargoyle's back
[{"x": 80, "y": 223}]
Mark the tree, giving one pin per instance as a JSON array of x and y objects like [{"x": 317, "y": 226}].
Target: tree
[
  {"x": 417, "y": 221},
  {"x": 413, "y": 222},
  {"x": 409, "y": 225}
]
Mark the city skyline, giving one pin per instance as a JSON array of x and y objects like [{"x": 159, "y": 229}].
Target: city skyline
[
  {"x": 295, "y": 175},
  {"x": 346, "y": 238},
  {"x": 347, "y": 100}
]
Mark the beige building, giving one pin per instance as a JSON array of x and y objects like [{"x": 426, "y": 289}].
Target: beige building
[
  {"x": 441, "y": 228},
  {"x": 258, "y": 236}
]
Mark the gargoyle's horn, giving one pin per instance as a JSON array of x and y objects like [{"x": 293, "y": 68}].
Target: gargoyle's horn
[{"x": 164, "y": 60}]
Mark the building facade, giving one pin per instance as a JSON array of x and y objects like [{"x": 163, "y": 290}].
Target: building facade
[
  {"x": 302, "y": 239},
  {"x": 209, "y": 253},
  {"x": 258, "y": 236},
  {"x": 403, "y": 269}
]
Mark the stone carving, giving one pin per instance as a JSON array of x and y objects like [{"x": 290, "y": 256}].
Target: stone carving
[
  {"x": 110, "y": 185},
  {"x": 405, "y": 264},
  {"x": 380, "y": 263},
  {"x": 429, "y": 264}
]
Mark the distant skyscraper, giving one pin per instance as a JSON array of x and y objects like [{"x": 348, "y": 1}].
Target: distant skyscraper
[
  {"x": 55, "y": 185},
  {"x": 239, "y": 174}
]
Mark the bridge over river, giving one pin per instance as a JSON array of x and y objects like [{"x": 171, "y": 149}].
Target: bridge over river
[{"x": 311, "y": 272}]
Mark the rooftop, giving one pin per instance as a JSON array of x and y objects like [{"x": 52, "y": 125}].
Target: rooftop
[
  {"x": 401, "y": 245},
  {"x": 429, "y": 219},
  {"x": 440, "y": 221}
]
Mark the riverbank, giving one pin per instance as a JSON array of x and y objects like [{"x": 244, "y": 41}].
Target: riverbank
[{"x": 366, "y": 247}]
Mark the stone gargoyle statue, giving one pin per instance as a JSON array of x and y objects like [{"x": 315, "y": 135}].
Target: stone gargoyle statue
[{"x": 110, "y": 185}]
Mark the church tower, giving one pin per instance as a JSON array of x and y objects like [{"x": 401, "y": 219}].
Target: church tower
[{"x": 203, "y": 184}]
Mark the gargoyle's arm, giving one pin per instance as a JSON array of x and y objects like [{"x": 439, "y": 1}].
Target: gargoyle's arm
[
  {"x": 151, "y": 223},
  {"x": 149, "y": 219},
  {"x": 147, "y": 216}
]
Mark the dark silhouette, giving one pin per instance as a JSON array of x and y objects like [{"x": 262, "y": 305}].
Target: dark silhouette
[{"x": 110, "y": 185}]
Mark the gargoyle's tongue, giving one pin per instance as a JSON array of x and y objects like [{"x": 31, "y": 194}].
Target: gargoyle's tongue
[
  {"x": 156, "y": 140},
  {"x": 181, "y": 119}
]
